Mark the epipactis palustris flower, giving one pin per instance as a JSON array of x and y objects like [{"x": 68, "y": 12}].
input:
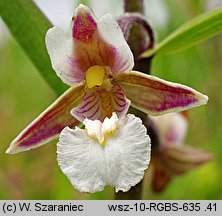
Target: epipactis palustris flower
[
  {"x": 108, "y": 153},
  {"x": 173, "y": 157},
  {"x": 95, "y": 60}
]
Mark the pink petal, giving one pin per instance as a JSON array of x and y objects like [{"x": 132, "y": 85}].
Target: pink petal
[
  {"x": 99, "y": 42},
  {"x": 100, "y": 103},
  {"x": 91, "y": 43},
  {"x": 172, "y": 127},
  {"x": 156, "y": 96},
  {"x": 50, "y": 123}
]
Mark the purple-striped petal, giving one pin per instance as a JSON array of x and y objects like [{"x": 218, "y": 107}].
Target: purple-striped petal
[
  {"x": 178, "y": 159},
  {"x": 100, "y": 103},
  {"x": 50, "y": 123},
  {"x": 174, "y": 160},
  {"x": 156, "y": 96}
]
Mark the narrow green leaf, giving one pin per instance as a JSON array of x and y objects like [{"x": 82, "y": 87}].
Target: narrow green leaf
[
  {"x": 28, "y": 25},
  {"x": 195, "y": 31}
]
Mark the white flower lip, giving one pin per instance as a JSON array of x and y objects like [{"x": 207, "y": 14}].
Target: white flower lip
[{"x": 120, "y": 163}]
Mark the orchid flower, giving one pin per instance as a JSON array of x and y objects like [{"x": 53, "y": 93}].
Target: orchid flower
[
  {"x": 95, "y": 60},
  {"x": 108, "y": 153},
  {"x": 173, "y": 157}
]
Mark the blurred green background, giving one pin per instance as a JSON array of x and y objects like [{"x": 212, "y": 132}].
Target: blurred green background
[{"x": 24, "y": 94}]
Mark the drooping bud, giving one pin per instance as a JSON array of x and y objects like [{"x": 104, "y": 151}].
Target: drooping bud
[{"x": 172, "y": 157}]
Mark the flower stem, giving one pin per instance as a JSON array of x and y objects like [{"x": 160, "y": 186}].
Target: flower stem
[
  {"x": 141, "y": 35},
  {"x": 134, "y": 6},
  {"x": 135, "y": 193},
  {"x": 137, "y": 33}
]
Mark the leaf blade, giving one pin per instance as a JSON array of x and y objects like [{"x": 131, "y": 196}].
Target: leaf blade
[
  {"x": 193, "y": 32},
  {"x": 28, "y": 25}
]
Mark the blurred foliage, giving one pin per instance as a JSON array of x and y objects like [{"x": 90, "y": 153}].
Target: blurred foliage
[
  {"x": 194, "y": 31},
  {"x": 29, "y": 26},
  {"x": 24, "y": 94}
]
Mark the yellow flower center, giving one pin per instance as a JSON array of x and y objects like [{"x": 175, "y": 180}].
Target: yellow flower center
[{"x": 95, "y": 76}]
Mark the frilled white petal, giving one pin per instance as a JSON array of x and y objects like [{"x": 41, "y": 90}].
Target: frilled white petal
[
  {"x": 120, "y": 163},
  {"x": 82, "y": 160},
  {"x": 127, "y": 153}
]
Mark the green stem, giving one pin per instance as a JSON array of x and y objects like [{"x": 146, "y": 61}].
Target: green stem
[
  {"x": 136, "y": 192},
  {"x": 28, "y": 26}
]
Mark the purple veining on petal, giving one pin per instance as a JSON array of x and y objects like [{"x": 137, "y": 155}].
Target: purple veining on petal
[
  {"x": 117, "y": 102},
  {"x": 120, "y": 65},
  {"x": 50, "y": 123},
  {"x": 119, "y": 111},
  {"x": 53, "y": 131},
  {"x": 91, "y": 116},
  {"x": 119, "y": 93},
  {"x": 156, "y": 95},
  {"x": 121, "y": 104},
  {"x": 86, "y": 96},
  {"x": 86, "y": 110},
  {"x": 77, "y": 73},
  {"x": 84, "y": 105},
  {"x": 121, "y": 99},
  {"x": 102, "y": 105}
]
